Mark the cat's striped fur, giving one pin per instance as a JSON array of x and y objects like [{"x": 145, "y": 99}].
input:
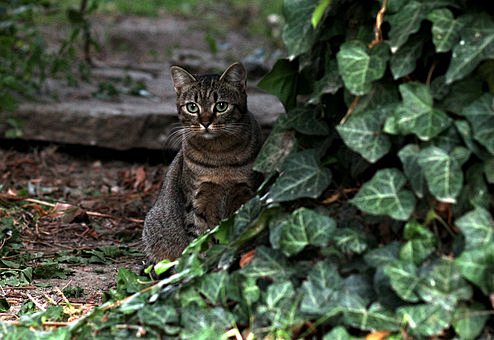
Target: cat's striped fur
[{"x": 212, "y": 175}]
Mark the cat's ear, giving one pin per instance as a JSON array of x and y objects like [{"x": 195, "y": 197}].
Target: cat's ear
[
  {"x": 235, "y": 73},
  {"x": 181, "y": 77}
]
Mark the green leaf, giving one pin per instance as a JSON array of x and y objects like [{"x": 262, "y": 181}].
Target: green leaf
[
  {"x": 404, "y": 60},
  {"x": 489, "y": 174},
  {"x": 330, "y": 83},
  {"x": 404, "y": 279},
  {"x": 461, "y": 94},
  {"x": 468, "y": 321},
  {"x": 213, "y": 286},
  {"x": 337, "y": 333},
  {"x": 158, "y": 315},
  {"x": 477, "y": 266},
  {"x": 442, "y": 173},
  {"x": 382, "y": 195},
  {"x": 205, "y": 323},
  {"x": 480, "y": 114},
  {"x": 245, "y": 216},
  {"x": 417, "y": 114},
  {"x": 319, "y": 12},
  {"x": 301, "y": 176},
  {"x": 425, "y": 320},
  {"x": 378, "y": 257},
  {"x": 277, "y": 292},
  {"x": 276, "y": 148},
  {"x": 374, "y": 318},
  {"x": 268, "y": 262},
  {"x": 445, "y": 29},
  {"x": 319, "y": 291},
  {"x": 476, "y": 44},
  {"x": 409, "y": 156},
  {"x": 305, "y": 227},
  {"x": 443, "y": 285},
  {"x": 363, "y": 134},
  {"x": 404, "y": 23},
  {"x": 305, "y": 120},
  {"x": 350, "y": 240},
  {"x": 282, "y": 81},
  {"x": 359, "y": 66},
  {"x": 298, "y": 33},
  {"x": 478, "y": 228},
  {"x": 420, "y": 244}
]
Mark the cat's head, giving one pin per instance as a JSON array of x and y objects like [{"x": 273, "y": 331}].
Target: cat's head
[{"x": 210, "y": 106}]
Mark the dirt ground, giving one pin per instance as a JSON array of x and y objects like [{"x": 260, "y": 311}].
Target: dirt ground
[{"x": 78, "y": 207}]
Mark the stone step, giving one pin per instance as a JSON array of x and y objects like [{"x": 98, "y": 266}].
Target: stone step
[{"x": 121, "y": 126}]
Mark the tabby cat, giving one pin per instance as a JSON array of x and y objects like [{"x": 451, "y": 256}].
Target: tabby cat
[{"x": 211, "y": 176}]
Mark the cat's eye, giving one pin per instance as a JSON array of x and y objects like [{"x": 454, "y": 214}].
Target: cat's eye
[
  {"x": 192, "y": 107},
  {"x": 221, "y": 106}
]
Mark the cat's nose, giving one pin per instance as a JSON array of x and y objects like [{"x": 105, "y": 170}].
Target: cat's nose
[{"x": 206, "y": 124}]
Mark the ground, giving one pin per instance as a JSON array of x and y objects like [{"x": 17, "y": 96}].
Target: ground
[{"x": 79, "y": 222}]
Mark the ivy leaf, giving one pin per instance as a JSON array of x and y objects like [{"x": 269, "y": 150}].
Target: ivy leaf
[
  {"x": 468, "y": 321},
  {"x": 376, "y": 317},
  {"x": 477, "y": 266},
  {"x": 319, "y": 291},
  {"x": 443, "y": 285},
  {"x": 298, "y": 33},
  {"x": 359, "y": 66},
  {"x": 330, "y": 83},
  {"x": 305, "y": 120},
  {"x": 404, "y": 60},
  {"x": 378, "y": 257},
  {"x": 404, "y": 23},
  {"x": 476, "y": 44},
  {"x": 480, "y": 115},
  {"x": 404, "y": 279},
  {"x": 417, "y": 114},
  {"x": 350, "y": 240},
  {"x": 409, "y": 156},
  {"x": 382, "y": 195},
  {"x": 478, "y": 228},
  {"x": 281, "y": 81},
  {"x": 277, "y": 292},
  {"x": 426, "y": 319},
  {"x": 268, "y": 262},
  {"x": 158, "y": 316},
  {"x": 279, "y": 144},
  {"x": 420, "y": 243},
  {"x": 363, "y": 134},
  {"x": 213, "y": 286},
  {"x": 442, "y": 173},
  {"x": 301, "y": 176},
  {"x": 304, "y": 227},
  {"x": 445, "y": 29},
  {"x": 337, "y": 333}
]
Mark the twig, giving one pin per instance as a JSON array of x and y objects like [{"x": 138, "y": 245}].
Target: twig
[
  {"x": 378, "y": 36},
  {"x": 53, "y": 205},
  {"x": 37, "y": 304},
  {"x": 352, "y": 107}
]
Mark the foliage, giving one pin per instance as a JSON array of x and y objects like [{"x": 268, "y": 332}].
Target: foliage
[
  {"x": 411, "y": 252},
  {"x": 25, "y": 60}
]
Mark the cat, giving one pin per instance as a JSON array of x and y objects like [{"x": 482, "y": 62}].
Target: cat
[{"x": 211, "y": 176}]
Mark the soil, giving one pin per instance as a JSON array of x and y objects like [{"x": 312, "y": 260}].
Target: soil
[{"x": 76, "y": 202}]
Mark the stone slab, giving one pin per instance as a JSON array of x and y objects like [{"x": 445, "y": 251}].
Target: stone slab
[{"x": 131, "y": 123}]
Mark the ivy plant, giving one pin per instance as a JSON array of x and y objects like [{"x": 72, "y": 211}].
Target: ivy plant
[{"x": 375, "y": 217}]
